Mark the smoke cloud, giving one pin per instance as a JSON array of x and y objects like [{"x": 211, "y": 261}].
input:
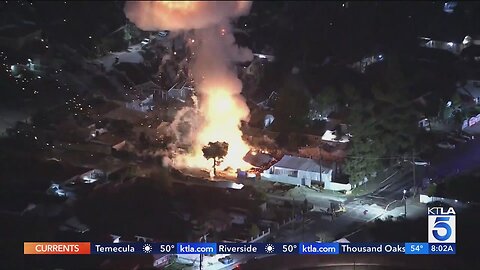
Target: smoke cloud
[{"x": 183, "y": 15}]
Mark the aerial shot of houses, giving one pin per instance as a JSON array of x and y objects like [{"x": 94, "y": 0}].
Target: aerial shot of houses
[{"x": 236, "y": 122}]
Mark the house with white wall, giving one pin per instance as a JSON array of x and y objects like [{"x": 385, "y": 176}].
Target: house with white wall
[{"x": 303, "y": 171}]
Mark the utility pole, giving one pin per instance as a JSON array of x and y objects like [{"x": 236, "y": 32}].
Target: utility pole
[
  {"x": 204, "y": 237},
  {"x": 320, "y": 163},
  {"x": 414, "y": 179}
]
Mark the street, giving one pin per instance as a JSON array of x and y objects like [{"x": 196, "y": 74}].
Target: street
[{"x": 464, "y": 158}]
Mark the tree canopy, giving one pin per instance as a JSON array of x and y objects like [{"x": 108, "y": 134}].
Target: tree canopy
[
  {"x": 383, "y": 125},
  {"x": 291, "y": 108},
  {"x": 216, "y": 151}
]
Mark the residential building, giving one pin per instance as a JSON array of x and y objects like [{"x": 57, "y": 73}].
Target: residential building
[
  {"x": 218, "y": 220},
  {"x": 270, "y": 101},
  {"x": 141, "y": 105},
  {"x": 258, "y": 159},
  {"x": 327, "y": 152},
  {"x": 112, "y": 142},
  {"x": 337, "y": 135},
  {"x": 303, "y": 171},
  {"x": 362, "y": 65},
  {"x": 122, "y": 113},
  {"x": 456, "y": 45},
  {"x": 180, "y": 92},
  {"x": 239, "y": 215},
  {"x": 162, "y": 260},
  {"x": 472, "y": 125},
  {"x": 470, "y": 89}
]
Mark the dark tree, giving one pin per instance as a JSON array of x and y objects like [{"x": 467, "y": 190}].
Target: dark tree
[{"x": 216, "y": 151}]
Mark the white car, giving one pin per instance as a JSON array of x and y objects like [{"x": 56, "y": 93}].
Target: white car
[
  {"x": 446, "y": 145},
  {"x": 145, "y": 41},
  {"x": 422, "y": 163},
  {"x": 55, "y": 190}
]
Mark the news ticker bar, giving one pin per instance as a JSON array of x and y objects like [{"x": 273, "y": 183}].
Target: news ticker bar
[{"x": 236, "y": 248}]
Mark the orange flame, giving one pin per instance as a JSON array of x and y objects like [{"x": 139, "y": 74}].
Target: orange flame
[{"x": 222, "y": 110}]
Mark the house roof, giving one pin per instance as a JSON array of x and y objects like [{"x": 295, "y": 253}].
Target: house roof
[
  {"x": 470, "y": 88},
  {"x": 299, "y": 163},
  {"x": 108, "y": 139},
  {"x": 148, "y": 88},
  {"x": 257, "y": 159},
  {"x": 123, "y": 113}
]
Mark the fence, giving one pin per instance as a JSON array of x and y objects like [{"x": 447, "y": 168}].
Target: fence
[{"x": 260, "y": 236}]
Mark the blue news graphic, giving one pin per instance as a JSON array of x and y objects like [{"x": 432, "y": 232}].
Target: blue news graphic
[
  {"x": 447, "y": 249},
  {"x": 319, "y": 248},
  {"x": 272, "y": 248},
  {"x": 441, "y": 225},
  {"x": 133, "y": 248},
  {"x": 416, "y": 248},
  {"x": 379, "y": 248},
  {"x": 257, "y": 248},
  {"x": 197, "y": 248}
]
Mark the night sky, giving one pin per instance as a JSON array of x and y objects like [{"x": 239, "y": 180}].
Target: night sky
[{"x": 352, "y": 27}]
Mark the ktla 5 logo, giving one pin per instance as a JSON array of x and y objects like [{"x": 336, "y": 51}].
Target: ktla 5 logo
[{"x": 441, "y": 225}]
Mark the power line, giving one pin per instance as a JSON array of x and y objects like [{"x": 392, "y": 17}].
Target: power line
[{"x": 360, "y": 157}]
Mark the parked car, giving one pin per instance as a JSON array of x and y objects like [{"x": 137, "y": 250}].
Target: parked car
[
  {"x": 226, "y": 260},
  {"x": 420, "y": 162},
  {"x": 446, "y": 145},
  {"x": 163, "y": 33},
  {"x": 55, "y": 190}
]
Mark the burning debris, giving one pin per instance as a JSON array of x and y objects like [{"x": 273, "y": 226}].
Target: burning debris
[{"x": 220, "y": 109}]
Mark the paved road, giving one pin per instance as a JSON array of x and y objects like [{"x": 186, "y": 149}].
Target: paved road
[{"x": 464, "y": 158}]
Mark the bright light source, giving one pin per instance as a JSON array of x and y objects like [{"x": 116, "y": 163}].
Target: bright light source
[
  {"x": 404, "y": 191},
  {"x": 449, "y": 103},
  {"x": 450, "y": 44}
]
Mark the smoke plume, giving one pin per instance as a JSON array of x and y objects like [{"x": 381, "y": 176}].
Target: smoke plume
[{"x": 183, "y": 15}]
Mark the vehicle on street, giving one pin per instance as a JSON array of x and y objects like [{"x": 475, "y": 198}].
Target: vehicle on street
[
  {"x": 145, "y": 41},
  {"x": 226, "y": 260},
  {"x": 55, "y": 190},
  {"x": 163, "y": 33},
  {"x": 446, "y": 145},
  {"x": 421, "y": 163}
]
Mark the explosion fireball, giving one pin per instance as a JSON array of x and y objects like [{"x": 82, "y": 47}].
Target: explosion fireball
[{"x": 221, "y": 107}]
